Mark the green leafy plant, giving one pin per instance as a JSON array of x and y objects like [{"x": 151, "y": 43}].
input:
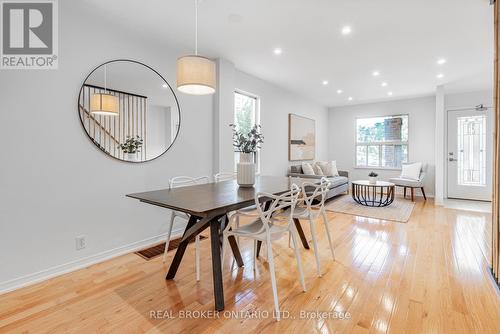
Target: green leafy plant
[
  {"x": 373, "y": 174},
  {"x": 247, "y": 142},
  {"x": 131, "y": 145}
]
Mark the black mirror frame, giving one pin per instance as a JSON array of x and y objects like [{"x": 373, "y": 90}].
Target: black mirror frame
[{"x": 157, "y": 73}]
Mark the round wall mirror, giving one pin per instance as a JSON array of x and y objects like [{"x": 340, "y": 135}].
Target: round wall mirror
[{"x": 129, "y": 111}]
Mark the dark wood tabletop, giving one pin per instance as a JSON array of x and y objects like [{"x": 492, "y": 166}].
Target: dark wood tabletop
[
  {"x": 211, "y": 198},
  {"x": 208, "y": 204}
]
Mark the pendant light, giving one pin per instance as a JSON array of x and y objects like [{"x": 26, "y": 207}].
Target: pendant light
[
  {"x": 196, "y": 74},
  {"x": 104, "y": 103}
]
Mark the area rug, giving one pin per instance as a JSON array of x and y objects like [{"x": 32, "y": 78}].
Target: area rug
[{"x": 399, "y": 210}]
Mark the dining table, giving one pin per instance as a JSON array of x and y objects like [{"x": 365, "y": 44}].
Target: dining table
[{"x": 208, "y": 206}]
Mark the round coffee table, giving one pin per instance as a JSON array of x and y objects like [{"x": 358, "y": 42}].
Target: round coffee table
[{"x": 380, "y": 193}]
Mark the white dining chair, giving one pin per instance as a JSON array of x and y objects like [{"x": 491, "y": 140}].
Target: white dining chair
[
  {"x": 224, "y": 176},
  {"x": 248, "y": 211},
  {"x": 176, "y": 182},
  {"x": 311, "y": 206},
  {"x": 267, "y": 230}
]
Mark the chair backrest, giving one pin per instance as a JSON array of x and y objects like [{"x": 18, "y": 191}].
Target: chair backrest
[
  {"x": 278, "y": 202},
  {"x": 184, "y": 181},
  {"x": 423, "y": 169},
  {"x": 312, "y": 192},
  {"x": 224, "y": 176}
]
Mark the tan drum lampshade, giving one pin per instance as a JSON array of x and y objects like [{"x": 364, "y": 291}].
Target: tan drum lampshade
[
  {"x": 104, "y": 104},
  {"x": 196, "y": 75}
]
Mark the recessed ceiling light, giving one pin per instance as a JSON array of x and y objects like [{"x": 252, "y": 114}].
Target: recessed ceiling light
[
  {"x": 440, "y": 76},
  {"x": 346, "y": 30},
  {"x": 375, "y": 73},
  {"x": 339, "y": 91},
  {"x": 164, "y": 86},
  {"x": 324, "y": 82},
  {"x": 383, "y": 84},
  {"x": 389, "y": 93},
  {"x": 350, "y": 98},
  {"x": 441, "y": 61},
  {"x": 277, "y": 51}
]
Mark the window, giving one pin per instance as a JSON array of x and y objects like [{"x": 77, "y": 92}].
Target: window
[
  {"x": 246, "y": 115},
  {"x": 472, "y": 150},
  {"x": 382, "y": 142}
]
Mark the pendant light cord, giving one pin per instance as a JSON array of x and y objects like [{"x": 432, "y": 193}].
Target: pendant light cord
[{"x": 196, "y": 27}]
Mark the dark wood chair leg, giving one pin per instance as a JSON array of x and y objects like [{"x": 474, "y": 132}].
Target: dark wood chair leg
[
  {"x": 412, "y": 191},
  {"x": 404, "y": 192},
  {"x": 423, "y": 193}
]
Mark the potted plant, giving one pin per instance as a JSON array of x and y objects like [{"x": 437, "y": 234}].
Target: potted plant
[
  {"x": 131, "y": 147},
  {"x": 247, "y": 145},
  {"x": 372, "y": 177}
]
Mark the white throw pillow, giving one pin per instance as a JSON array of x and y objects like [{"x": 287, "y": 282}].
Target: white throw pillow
[
  {"x": 411, "y": 171},
  {"x": 317, "y": 169},
  {"x": 307, "y": 168},
  {"x": 329, "y": 168}
]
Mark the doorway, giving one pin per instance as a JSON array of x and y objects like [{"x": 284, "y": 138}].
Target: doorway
[{"x": 469, "y": 155}]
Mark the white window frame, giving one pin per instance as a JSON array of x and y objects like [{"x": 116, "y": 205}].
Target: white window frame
[
  {"x": 379, "y": 144},
  {"x": 257, "y": 121}
]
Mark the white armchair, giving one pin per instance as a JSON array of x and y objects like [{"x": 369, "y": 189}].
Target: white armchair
[{"x": 412, "y": 184}]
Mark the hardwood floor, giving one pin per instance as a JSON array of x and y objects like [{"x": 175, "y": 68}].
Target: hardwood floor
[{"x": 426, "y": 276}]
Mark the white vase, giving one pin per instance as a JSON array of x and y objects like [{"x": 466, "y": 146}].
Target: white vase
[
  {"x": 245, "y": 170},
  {"x": 372, "y": 179},
  {"x": 130, "y": 157}
]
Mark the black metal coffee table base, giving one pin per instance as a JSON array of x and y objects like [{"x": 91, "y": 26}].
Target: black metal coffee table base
[{"x": 378, "y": 194}]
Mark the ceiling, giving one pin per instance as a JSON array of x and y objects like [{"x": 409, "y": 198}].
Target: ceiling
[{"x": 402, "y": 39}]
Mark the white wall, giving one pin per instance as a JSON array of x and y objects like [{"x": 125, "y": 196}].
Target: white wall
[
  {"x": 159, "y": 134},
  {"x": 468, "y": 99},
  {"x": 342, "y": 135},
  {"x": 56, "y": 185},
  {"x": 439, "y": 155},
  {"x": 275, "y": 105}
]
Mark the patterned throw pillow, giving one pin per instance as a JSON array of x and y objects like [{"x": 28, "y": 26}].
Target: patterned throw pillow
[
  {"x": 329, "y": 168},
  {"x": 317, "y": 169},
  {"x": 307, "y": 168}
]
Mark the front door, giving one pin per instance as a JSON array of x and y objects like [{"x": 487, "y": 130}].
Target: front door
[{"x": 469, "y": 155}]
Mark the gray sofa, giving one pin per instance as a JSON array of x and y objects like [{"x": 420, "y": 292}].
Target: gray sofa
[{"x": 339, "y": 184}]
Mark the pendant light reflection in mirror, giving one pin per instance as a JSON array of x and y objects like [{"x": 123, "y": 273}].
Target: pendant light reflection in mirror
[{"x": 104, "y": 103}]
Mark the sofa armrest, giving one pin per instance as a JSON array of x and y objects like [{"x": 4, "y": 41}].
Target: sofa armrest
[
  {"x": 305, "y": 176},
  {"x": 343, "y": 173}
]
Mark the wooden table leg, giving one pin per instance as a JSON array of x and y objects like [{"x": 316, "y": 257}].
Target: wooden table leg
[
  {"x": 216, "y": 265},
  {"x": 180, "y": 250},
  {"x": 236, "y": 250},
  {"x": 259, "y": 244},
  {"x": 301, "y": 233},
  {"x": 232, "y": 241}
]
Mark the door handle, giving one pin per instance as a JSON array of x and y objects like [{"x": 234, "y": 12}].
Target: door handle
[{"x": 451, "y": 159}]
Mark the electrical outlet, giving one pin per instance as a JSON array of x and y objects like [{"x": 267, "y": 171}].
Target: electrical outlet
[{"x": 80, "y": 242}]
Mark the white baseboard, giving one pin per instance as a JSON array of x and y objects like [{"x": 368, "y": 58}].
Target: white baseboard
[{"x": 65, "y": 268}]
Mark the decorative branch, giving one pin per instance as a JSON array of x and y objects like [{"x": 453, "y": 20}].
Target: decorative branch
[{"x": 249, "y": 142}]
